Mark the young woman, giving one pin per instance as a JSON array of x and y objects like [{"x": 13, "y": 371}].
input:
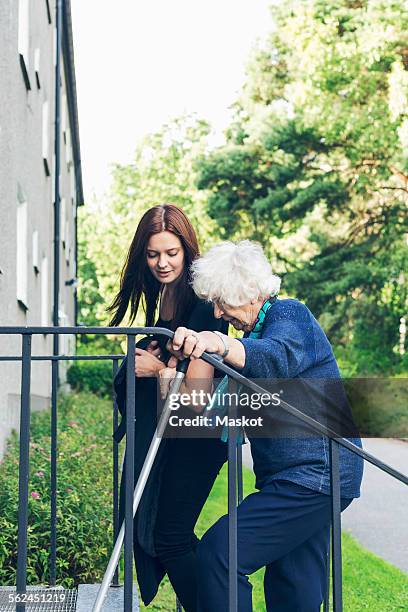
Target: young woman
[{"x": 157, "y": 274}]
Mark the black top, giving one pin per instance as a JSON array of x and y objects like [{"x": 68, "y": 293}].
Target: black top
[
  {"x": 201, "y": 319},
  {"x": 149, "y": 569}
]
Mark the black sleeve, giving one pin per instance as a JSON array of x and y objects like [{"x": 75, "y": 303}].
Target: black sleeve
[
  {"x": 202, "y": 319},
  {"x": 119, "y": 382}
]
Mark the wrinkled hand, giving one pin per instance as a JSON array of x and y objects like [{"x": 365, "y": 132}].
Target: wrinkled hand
[
  {"x": 189, "y": 343},
  {"x": 166, "y": 376},
  {"x": 147, "y": 362}
]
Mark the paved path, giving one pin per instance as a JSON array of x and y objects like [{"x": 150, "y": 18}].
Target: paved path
[{"x": 379, "y": 518}]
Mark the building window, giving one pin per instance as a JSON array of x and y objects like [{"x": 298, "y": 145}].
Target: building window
[
  {"x": 74, "y": 210},
  {"x": 62, "y": 221},
  {"x": 45, "y": 137},
  {"x": 67, "y": 243},
  {"x": 64, "y": 117},
  {"x": 44, "y": 292},
  {"x": 22, "y": 254},
  {"x": 37, "y": 67},
  {"x": 72, "y": 189},
  {"x": 24, "y": 39},
  {"x": 48, "y": 10},
  {"x": 68, "y": 149},
  {"x": 35, "y": 252}
]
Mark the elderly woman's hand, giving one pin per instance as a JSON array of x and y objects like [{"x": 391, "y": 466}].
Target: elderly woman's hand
[{"x": 189, "y": 343}]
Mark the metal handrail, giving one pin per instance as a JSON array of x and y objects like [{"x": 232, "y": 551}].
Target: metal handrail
[
  {"x": 209, "y": 358},
  {"x": 335, "y": 441}
]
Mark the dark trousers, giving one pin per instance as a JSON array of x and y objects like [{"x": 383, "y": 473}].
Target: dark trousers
[
  {"x": 191, "y": 468},
  {"x": 284, "y": 528}
]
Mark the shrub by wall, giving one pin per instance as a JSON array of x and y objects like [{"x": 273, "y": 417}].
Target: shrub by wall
[
  {"x": 84, "y": 530},
  {"x": 93, "y": 376}
]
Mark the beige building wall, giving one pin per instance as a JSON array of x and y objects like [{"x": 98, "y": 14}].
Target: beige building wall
[{"x": 27, "y": 167}]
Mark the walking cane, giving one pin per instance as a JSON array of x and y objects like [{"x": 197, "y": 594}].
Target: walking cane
[{"x": 141, "y": 482}]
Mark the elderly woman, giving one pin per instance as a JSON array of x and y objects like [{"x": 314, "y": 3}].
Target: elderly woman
[{"x": 283, "y": 527}]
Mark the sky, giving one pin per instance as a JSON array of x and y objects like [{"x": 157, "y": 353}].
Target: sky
[{"x": 139, "y": 63}]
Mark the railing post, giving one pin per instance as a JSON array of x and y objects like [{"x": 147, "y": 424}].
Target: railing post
[
  {"x": 56, "y": 285},
  {"x": 326, "y": 601},
  {"x": 115, "y": 451},
  {"x": 240, "y": 476},
  {"x": 53, "y": 466},
  {"x": 336, "y": 526},
  {"x": 24, "y": 469},
  {"x": 232, "y": 503},
  {"x": 130, "y": 471}
]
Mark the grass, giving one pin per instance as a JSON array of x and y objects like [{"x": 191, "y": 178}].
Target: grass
[{"x": 369, "y": 582}]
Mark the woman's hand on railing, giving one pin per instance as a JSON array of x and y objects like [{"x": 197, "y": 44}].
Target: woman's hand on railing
[
  {"x": 189, "y": 343},
  {"x": 147, "y": 362}
]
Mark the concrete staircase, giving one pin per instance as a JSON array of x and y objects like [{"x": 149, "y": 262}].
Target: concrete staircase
[{"x": 87, "y": 594}]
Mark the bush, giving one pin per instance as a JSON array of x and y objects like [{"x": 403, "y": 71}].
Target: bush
[
  {"x": 84, "y": 514},
  {"x": 93, "y": 376},
  {"x": 379, "y": 406}
]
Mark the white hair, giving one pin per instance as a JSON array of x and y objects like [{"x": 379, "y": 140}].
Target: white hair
[{"x": 234, "y": 274}]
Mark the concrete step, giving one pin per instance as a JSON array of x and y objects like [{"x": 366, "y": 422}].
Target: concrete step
[{"x": 87, "y": 594}]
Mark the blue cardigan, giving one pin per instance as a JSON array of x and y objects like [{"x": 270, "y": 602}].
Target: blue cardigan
[{"x": 294, "y": 347}]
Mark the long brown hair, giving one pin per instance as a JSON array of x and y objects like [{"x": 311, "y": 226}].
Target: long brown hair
[{"x": 136, "y": 279}]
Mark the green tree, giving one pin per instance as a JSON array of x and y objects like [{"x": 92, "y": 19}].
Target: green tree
[
  {"x": 163, "y": 170},
  {"x": 316, "y": 167},
  {"x": 91, "y": 306}
]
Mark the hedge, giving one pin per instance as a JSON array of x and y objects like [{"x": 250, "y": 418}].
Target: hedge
[
  {"x": 93, "y": 376},
  {"x": 84, "y": 514}
]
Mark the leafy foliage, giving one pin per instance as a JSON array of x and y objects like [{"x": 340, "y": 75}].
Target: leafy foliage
[
  {"x": 91, "y": 303},
  {"x": 84, "y": 513},
  {"x": 92, "y": 376},
  {"x": 162, "y": 171},
  {"x": 316, "y": 167}
]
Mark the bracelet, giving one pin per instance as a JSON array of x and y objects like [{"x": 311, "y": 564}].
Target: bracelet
[{"x": 226, "y": 347}]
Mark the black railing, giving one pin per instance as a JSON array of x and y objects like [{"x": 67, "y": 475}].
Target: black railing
[{"x": 235, "y": 487}]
